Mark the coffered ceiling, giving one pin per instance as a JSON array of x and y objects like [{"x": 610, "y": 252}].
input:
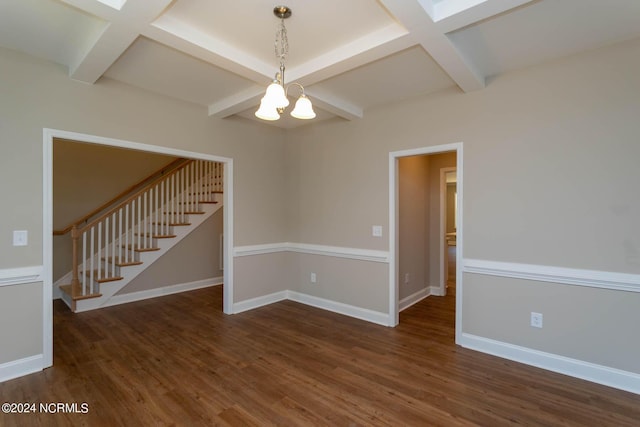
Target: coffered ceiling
[{"x": 350, "y": 55}]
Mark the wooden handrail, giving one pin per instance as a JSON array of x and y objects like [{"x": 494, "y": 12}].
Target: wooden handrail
[
  {"x": 133, "y": 196},
  {"x": 159, "y": 173},
  {"x": 132, "y": 223}
]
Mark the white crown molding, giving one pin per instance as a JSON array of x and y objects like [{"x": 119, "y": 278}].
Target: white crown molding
[
  {"x": 541, "y": 273},
  {"x": 623, "y": 380},
  {"x": 21, "y": 275},
  {"x": 304, "y": 248}
]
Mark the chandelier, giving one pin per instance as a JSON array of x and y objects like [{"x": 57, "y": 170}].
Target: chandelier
[{"x": 275, "y": 98}]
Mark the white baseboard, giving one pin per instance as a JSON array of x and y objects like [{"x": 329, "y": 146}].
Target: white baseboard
[
  {"x": 412, "y": 299},
  {"x": 21, "y": 367},
  {"x": 340, "y": 308},
  {"x": 159, "y": 292},
  {"x": 252, "y": 303},
  {"x": 325, "y": 304},
  {"x": 616, "y": 378},
  {"x": 436, "y": 291}
]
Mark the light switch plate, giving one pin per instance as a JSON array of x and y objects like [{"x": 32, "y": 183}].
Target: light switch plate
[{"x": 20, "y": 237}]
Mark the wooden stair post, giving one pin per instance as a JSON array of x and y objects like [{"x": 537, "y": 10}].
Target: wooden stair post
[{"x": 75, "y": 281}]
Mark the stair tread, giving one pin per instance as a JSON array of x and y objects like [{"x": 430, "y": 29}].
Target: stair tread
[
  {"x": 173, "y": 224},
  {"x": 137, "y": 249},
  {"x": 157, "y": 236},
  {"x": 120, "y": 263},
  {"x": 97, "y": 273},
  {"x": 186, "y": 213},
  {"x": 199, "y": 201},
  {"x": 67, "y": 290}
]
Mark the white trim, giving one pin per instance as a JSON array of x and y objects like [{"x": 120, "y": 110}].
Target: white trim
[
  {"x": 340, "y": 308},
  {"x": 414, "y": 298},
  {"x": 437, "y": 291},
  {"x": 21, "y": 367},
  {"x": 623, "y": 380},
  {"x": 257, "y": 302},
  {"x": 47, "y": 217},
  {"x": 444, "y": 272},
  {"x": 270, "y": 248},
  {"x": 304, "y": 248},
  {"x": 393, "y": 226},
  {"x": 313, "y": 301},
  {"x": 543, "y": 273},
  {"x": 21, "y": 275},
  {"x": 163, "y": 291}
]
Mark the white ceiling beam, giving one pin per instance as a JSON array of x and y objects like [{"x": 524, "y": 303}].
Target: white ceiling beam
[
  {"x": 97, "y": 59},
  {"x": 177, "y": 35},
  {"x": 366, "y": 49},
  {"x": 418, "y": 21},
  {"x": 123, "y": 29},
  {"x": 447, "y": 20},
  {"x": 333, "y": 104},
  {"x": 237, "y": 103}
]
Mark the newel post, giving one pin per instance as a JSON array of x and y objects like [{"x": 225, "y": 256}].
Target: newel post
[{"x": 75, "y": 282}]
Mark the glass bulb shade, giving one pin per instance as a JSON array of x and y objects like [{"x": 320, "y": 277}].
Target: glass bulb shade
[
  {"x": 275, "y": 96},
  {"x": 267, "y": 111},
  {"x": 303, "y": 109}
]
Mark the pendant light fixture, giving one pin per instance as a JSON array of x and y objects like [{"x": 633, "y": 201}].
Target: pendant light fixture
[{"x": 275, "y": 99}]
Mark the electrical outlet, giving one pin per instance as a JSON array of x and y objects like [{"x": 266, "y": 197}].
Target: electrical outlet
[
  {"x": 376, "y": 231},
  {"x": 536, "y": 320},
  {"x": 314, "y": 278},
  {"x": 406, "y": 278}
]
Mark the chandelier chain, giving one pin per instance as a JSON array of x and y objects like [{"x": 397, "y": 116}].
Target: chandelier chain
[{"x": 281, "y": 44}]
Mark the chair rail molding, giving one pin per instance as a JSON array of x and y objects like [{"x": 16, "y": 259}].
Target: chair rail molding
[
  {"x": 543, "y": 273},
  {"x": 21, "y": 275}
]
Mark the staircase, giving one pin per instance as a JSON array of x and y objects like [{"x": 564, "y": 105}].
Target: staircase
[{"x": 126, "y": 238}]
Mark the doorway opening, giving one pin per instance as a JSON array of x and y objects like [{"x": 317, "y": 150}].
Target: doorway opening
[
  {"x": 51, "y": 135},
  {"x": 422, "y": 248}
]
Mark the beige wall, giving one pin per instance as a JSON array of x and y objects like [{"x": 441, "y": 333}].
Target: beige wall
[
  {"x": 343, "y": 280},
  {"x": 561, "y": 135},
  {"x": 196, "y": 257},
  {"x": 21, "y": 328},
  {"x": 263, "y": 275},
  {"x": 87, "y": 175},
  {"x": 414, "y": 210},
  {"x": 37, "y": 94},
  {"x": 589, "y": 324}
]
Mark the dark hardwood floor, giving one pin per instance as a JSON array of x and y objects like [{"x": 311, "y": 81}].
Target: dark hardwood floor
[{"x": 178, "y": 360}]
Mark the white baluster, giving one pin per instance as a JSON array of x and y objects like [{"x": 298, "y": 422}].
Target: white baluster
[
  {"x": 126, "y": 232},
  {"x": 113, "y": 245},
  {"x": 83, "y": 270},
  {"x": 92, "y": 256}
]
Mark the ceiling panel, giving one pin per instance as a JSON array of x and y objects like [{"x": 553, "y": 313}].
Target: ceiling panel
[
  {"x": 314, "y": 28},
  {"x": 160, "y": 69},
  {"x": 47, "y": 29},
  {"x": 399, "y": 76},
  {"x": 546, "y": 30}
]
